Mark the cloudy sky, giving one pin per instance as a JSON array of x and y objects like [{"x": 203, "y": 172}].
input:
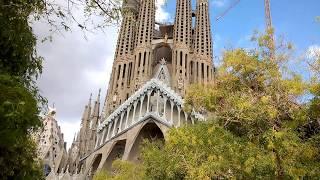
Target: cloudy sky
[{"x": 76, "y": 66}]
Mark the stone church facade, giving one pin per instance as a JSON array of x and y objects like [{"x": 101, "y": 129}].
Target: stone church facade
[{"x": 154, "y": 64}]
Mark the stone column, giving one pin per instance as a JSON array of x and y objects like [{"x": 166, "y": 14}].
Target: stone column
[
  {"x": 172, "y": 105},
  {"x": 141, "y": 103},
  {"x": 109, "y": 134},
  {"x": 148, "y": 103},
  {"x": 157, "y": 110},
  {"x": 134, "y": 112},
  {"x": 121, "y": 119},
  {"x": 114, "y": 126},
  {"x": 179, "y": 120},
  {"x": 164, "y": 107},
  {"x": 186, "y": 117},
  {"x": 127, "y": 119},
  {"x": 103, "y": 134},
  {"x": 98, "y": 140}
]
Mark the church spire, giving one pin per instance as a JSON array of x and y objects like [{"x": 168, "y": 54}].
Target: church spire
[
  {"x": 85, "y": 121},
  {"x": 183, "y": 23},
  {"x": 96, "y": 111},
  {"x": 203, "y": 44},
  {"x": 181, "y": 45},
  {"x": 86, "y": 113},
  {"x": 143, "y": 43},
  {"x": 119, "y": 84}
]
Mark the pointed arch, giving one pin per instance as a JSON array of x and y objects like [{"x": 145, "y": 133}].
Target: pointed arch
[
  {"x": 149, "y": 131},
  {"x": 116, "y": 152},
  {"x": 95, "y": 163}
]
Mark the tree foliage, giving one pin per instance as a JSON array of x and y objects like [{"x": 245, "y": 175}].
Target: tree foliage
[
  {"x": 19, "y": 99},
  {"x": 122, "y": 170},
  {"x": 19, "y": 116}
]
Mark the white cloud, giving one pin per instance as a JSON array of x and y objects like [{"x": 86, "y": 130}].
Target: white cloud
[
  {"x": 161, "y": 14},
  {"x": 69, "y": 129},
  {"x": 313, "y": 52},
  {"x": 219, "y": 3},
  {"x": 73, "y": 68}
]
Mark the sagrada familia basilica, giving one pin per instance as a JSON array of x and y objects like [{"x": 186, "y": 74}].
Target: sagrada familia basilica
[{"x": 154, "y": 63}]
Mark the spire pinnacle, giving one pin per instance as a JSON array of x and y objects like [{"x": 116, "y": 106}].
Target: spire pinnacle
[
  {"x": 89, "y": 103},
  {"x": 99, "y": 94}
]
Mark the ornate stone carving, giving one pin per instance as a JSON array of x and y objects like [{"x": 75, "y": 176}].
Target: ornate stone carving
[
  {"x": 180, "y": 82},
  {"x": 115, "y": 97}
]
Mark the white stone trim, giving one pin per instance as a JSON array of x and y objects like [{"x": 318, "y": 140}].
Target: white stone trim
[{"x": 153, "y": 84}]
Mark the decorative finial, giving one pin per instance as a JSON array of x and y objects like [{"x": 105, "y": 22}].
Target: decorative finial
[
  {"x": 99, "y": 95},
  {"x": 67, "y": 169},
  {"x": 90, "y": 98},
  {"x": 163, "y": 61},
  {"x": 52, "y": 111},
  {"x": 81, "y": 170}
]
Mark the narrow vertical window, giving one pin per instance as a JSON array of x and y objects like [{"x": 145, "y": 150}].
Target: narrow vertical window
[
  {"x": 124, "y": 70},
  {"x": 118, "y": 76},
  {"x": 207, "y": 72},
  {"x": 197, "y": 69},
  {"x": 202, "y": 69},
  {"x": 144, "y": 58},
  {"x": 180, "y": 58}
]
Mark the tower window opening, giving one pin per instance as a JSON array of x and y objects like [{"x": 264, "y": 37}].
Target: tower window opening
[
  {"x": 129, "y": 73},
  {"x": 180, "y": 58},
  {"x": 118, "y": 71},
  {"x": 197, "y": 69},
  {"x": 124, "y": 70},
  {"x": 144, "y": 58},
  {"x": 139, "y": 59},
  {"x": 202, "y": 70},
  {"x": 186, "y": 57},
  {"x": 191, "y": 67},
  {"x": 207, "y": 71}
]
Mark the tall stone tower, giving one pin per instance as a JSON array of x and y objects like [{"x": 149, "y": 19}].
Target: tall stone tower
[
  {"x": 124, "y": 64},
  {"x": 203, "y": 44},
  {"x": 187, "y": 50},
  {"x": 182, "y": 38},
  {"x": 51, "y": 145}
]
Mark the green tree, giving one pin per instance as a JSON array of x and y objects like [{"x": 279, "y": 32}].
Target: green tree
[
  {"x": 122, "y": 170},
  {"x": 19, "y": 116},
  {"x": 19, "y": 98},
  {"x": 311, "y": 130},
  {"x": 209, "y": 151}
]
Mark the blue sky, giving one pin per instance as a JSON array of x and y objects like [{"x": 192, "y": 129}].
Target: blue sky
[{"x": 293, "y": 19}]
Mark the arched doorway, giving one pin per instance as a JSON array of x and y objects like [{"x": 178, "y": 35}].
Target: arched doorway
[
  {"x": 46, "y": 169},
  {"x": 95, "y": 164},
  {"x": 162, "y": 50},
  {"x": 151, "y": 132},
  {"x": 116, "y": 153}
]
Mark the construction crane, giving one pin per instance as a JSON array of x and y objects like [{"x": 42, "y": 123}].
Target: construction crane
[
  {"x": 268, "y": 14},
  {"x": 227, "y": 10},
  {"x": 268, "y": 21},
  {"x": 269, "y": 29}
]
